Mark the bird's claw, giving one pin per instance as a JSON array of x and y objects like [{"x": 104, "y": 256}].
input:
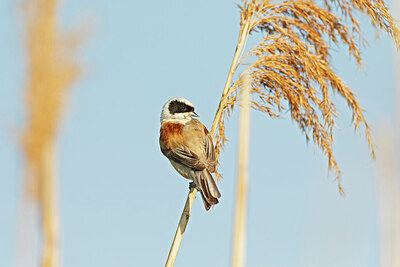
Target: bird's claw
[{"x": 192, "y": 185}]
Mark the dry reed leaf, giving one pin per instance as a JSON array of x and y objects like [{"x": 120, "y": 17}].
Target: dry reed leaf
[{"x": 291, "y": 68}]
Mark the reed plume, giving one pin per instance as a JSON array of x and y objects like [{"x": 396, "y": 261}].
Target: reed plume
[
  {"x": 51, "y": 70},
  {"x": 291, "y": 68}
]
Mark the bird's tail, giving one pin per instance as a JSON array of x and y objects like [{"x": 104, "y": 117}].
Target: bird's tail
[{"x": 208, "y": 188}]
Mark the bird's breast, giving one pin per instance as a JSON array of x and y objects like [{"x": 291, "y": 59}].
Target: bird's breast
[{"x": 171, "y": 134}]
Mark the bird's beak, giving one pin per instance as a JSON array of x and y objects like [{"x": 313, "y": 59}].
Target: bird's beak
[{"x": 193, "y": 114}]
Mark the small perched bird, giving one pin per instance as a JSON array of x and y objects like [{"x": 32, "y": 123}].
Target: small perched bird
[{"x": 187, "y": 144}]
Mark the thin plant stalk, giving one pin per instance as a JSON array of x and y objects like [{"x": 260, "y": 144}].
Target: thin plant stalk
[
  {"x": 244, "y": 33},
  {"x": 50, "y": 216},
  {"x": 240, "y": 222},
  {"x": 184, "y": 220},
  {"x": 388, "y": 195},
  {"x": 388, "y": 183},
  {"x": 181, "y": 228}
]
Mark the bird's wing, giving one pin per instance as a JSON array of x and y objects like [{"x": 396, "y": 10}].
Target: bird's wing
[
  {"x": 210, "y": 154},
  {"x": 185, "y": 157}
]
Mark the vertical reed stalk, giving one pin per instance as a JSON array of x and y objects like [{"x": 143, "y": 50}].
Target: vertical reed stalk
[
  {"x": 388, "y": 195},
  {"x": 396, "y": 5},
  {"x": 243, "y": 35},
  {"x": 388, "y": 183},
  {"x": 222, "y": 105},
  {"x": 50, "y": 216},
  {"x": 239, "y": 231},
  {"x": 173, "y": 252}
]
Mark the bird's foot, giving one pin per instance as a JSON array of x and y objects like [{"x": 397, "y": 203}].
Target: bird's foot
[{"x": 192, "y": 185}]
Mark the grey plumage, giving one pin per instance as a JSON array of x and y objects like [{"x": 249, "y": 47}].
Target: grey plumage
[{"x": 207, "y": 187}]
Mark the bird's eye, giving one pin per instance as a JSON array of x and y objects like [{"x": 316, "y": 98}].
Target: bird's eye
[{"x": 184, "y": 107}]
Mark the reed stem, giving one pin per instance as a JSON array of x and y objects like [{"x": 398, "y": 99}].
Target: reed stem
[
  {"x": 181, "y": 228},
  {"x": 239, "y": 231},
  {"x": 244, "y": 33},
  {"x": 50, "y": 255},
  {"x": 192, "y": 193}
]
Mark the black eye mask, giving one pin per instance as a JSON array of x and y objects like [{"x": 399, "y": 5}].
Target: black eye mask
[{"x": 179, "y": 107}]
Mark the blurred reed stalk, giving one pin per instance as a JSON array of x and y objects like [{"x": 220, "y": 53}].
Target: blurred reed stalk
[
  {"x": 388, "y": 195},
  {"x": 51, "y": 70},
  {"x": 388, "y": 180},
  {"x": 291, "y": 70},
  {"x": 396, "y": 5},
  {"x": 240, "y": 222}
]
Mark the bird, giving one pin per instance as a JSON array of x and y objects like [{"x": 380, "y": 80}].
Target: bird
[{"x": 188, "y": 145}]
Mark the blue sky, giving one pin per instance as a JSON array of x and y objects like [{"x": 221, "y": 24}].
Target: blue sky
[{"x": 120, "y": 200}]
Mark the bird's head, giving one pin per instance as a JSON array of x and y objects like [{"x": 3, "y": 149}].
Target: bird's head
[{"x": 178, "y": 110}]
